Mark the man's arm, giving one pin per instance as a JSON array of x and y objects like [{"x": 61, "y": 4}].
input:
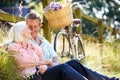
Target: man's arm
[
  {"x": 56, "y": 60},
  {"x": 53, "y": 62}
]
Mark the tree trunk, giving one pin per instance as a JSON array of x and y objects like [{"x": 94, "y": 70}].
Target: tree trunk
[{"x": 46, "y": 29}]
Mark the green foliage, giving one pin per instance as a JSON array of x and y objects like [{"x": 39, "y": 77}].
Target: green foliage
[
  {"x": 111, "y": 5},
  {"x": 37, "y": 7},
  {"x": 1, "y": 36},
  {"x": 4, "y": 31},
  {"x": 7, "y": 66},
  {"x": 89, "y": 28}
]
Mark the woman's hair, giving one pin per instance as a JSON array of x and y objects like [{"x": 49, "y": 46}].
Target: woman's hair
[{"x": 15, "y": 32}]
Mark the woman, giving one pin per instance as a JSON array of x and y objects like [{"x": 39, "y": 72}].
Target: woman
[
  {"x": 23, "y": 52},
  {"x": 30, "y": 58}
]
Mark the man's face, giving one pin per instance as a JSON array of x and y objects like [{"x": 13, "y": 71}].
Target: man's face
[{"x": 34, "y": 25}]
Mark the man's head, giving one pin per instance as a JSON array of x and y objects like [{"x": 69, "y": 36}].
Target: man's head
[{"x": 34, "y": 23}]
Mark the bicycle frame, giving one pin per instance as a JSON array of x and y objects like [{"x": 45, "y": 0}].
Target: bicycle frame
[
  {"x": 73, "y": 39},
  {"x": 71, "y": 44}
]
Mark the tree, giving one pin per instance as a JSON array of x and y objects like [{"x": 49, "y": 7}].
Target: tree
[{"x": 107, "y": 10}]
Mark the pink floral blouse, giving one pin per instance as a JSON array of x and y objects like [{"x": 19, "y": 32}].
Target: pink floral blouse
[{"x": 29, "y": 55}]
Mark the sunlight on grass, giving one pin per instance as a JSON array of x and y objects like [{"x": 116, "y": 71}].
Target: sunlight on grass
[
  {"x": 100, "y": 57},
  {"x": 103, "y": 58}
]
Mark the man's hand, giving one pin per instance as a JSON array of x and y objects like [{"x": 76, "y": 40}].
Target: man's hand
[
  {"x": 53, "y": 62},
  {"x": 43, "y": 68}
]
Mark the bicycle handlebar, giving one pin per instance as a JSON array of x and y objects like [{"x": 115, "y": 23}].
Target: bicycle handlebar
[
  {"x": 78, "y": 3},
  {"x": 76, "y": 22}
]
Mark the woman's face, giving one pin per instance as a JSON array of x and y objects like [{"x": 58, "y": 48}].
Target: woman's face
[{"x": 27, "y": 33}]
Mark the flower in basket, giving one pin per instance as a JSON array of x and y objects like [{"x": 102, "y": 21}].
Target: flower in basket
[
  {"x": 58, "y": 14},
  {"x": 53, "y": 6}
]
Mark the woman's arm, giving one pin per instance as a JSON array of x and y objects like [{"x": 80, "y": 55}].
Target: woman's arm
[
  {"x": 21, "y": 61},
  {"x": 28, "y": 64}
]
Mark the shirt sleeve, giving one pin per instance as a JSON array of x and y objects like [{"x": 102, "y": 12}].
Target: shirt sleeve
[
  {"x": 48, "y": 49},
  {"x": 38, "y": 51},
  {"x": 13, "y": 47},
  {"x": 20, "y": 56}
]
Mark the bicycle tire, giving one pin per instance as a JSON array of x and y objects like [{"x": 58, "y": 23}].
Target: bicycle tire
[
  {"x": 62, "y": 44},
  {"x": 81, "y": 50}
]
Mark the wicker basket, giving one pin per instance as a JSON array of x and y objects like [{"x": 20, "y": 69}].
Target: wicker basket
[{"x": 60, "y": 18}]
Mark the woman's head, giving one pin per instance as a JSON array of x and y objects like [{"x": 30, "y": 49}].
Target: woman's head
[{"x": 20, "y": 32}]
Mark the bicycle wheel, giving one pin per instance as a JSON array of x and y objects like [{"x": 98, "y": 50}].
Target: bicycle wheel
[
  {"x": 62, "y": 44},
  {"x": 81, "y": 51}
]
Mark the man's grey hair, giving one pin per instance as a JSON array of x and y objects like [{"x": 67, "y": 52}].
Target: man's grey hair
[
  {"x": 32, "y": 15},
  {"x": 15, "y": 32}
]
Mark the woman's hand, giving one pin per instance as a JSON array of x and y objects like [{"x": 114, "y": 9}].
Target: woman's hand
[{"x": 43, "y": 68}]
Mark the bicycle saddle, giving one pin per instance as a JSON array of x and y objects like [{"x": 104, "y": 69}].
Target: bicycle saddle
[{"x": 76, "y": 21}]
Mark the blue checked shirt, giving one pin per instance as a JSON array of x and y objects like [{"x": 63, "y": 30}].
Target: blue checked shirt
[{"x": 48, "y": 50}]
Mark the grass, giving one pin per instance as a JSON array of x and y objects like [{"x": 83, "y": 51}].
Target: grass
[
  {"x": 7, "y": 66},
  {"x": 101, "y": 57}
]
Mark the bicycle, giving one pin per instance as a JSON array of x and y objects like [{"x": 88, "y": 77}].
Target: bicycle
[{"x": 68, "y": 43}]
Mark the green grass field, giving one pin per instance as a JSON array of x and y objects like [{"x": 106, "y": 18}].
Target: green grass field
[{"x": 101, "y": 57}]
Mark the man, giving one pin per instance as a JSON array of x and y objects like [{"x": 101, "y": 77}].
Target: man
[{"x": 34, "y": 23}]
